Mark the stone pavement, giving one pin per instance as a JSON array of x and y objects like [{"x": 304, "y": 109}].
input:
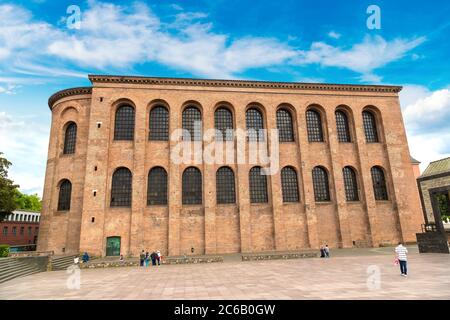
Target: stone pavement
[{"x": 348, "y": 274}]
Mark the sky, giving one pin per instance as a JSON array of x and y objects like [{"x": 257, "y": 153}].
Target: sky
[{"x": 44, "y": 48}]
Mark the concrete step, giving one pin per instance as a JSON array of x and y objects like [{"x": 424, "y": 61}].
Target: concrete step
[
  {"x": 11, "y": 267},
  {"x": 17, "y": 275}
]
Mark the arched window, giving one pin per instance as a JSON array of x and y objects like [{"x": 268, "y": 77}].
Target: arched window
[
  {"x": 289, "y": 185},
  {"x": 225, "y": 185},
  {"x": 284, "y": 126},
  {"x": 121, "y": 188},
  {"x": 157, "y": 186},
  {"x": 343, "y": 129},
  {"x": 192, "y": 186},
  {"x": 65, "y": 193},
  {"x": 255, "y": 124},
  {"x": 124, "y": 124},
  {"x": 70, "y": 138},
  {"x": 370, "y": 126},
  {"x": 192, "y": 124},
  {"x": 320, "y": 182},
  {"x": 223, "y": 121},
  {"x": 350, "y": 184},
  {"x": 159, "y": 124},
  {"x": 258, "y": 186},
  {"x": 314, "y": 126},
  {"x": 379, "y": 183}
]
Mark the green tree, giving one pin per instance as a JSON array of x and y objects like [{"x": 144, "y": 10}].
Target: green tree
[
  {"x": 30, "y": 202},
  {"x": 8, "y": 190}
]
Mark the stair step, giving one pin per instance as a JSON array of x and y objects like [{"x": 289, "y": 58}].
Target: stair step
[
  {"x": 18, "y": 273},
  {"x": 12, "y": 276}
]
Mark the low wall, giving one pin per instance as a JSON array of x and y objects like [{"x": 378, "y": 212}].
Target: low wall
[
  {"x": 432, "y": 242},
  {"x": 275, "y": 256}
]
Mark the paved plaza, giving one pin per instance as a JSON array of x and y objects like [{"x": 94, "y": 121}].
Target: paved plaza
[{"x": 349, "y": 274}]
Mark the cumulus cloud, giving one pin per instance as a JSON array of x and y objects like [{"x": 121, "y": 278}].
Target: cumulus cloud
[
  {"x": 26, "y": 149},
  {"x": 426, "y": 114}
]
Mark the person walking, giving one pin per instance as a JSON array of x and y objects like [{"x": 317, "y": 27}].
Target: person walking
[
  {"x": 327, "y": 251},
  {"x": 401, "y": 253},
  {"x": 158, "y": 257},
  {"x": 322, "y": 252},
  {"x": 153, "y": 256},
  {"x": 142, "y": 258},
  {"x": 147, "y": 258}
]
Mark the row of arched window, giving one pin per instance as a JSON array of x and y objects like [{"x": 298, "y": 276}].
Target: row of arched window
[
  {"x": 223, "y": 118},
  {"x": 121, "y": 188}
]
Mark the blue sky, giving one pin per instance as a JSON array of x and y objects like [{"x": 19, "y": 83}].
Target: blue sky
[{"x": 320, "y": 41}]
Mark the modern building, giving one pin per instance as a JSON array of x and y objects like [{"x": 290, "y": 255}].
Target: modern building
[
  {"x": 434, "y": 189},
  {"x": 20, "y": 228},
  {"x": 114, "y": 183}
]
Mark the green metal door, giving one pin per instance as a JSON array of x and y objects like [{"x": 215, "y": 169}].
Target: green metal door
[{"x": 113, "y": 246}]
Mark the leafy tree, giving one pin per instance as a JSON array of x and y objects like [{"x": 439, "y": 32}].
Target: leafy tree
[
  {"x": 8, "y": 190},
  {"x": 444, "y": 206},
  {"x": 30, "y": 202}
]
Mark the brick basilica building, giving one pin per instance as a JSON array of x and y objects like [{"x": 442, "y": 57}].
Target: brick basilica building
[{"x": 111, "y": 187}]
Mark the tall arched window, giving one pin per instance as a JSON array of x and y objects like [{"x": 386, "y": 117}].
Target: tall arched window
[
  {"x": 192, "y": 186},
  {"x": 350, "y": 184},
  {"x": 258, "y": 186},
  {"x": 225, "y": 185},
  {"x": 65, "y": 193},
  {"x": 342, "y": 126},
  {"x": 124, "y": 124},
  {"x": 255, "y": 124},
  {"x": 159, "y": 124},
  {"x": 192, "y": 123},
  {"x": 379, "y": 183},
  {"x": 157, "y": 186},
  {"x": 70, "y": 138},
  {"x": 223, "y": 123},
  {"x": 284, "y": 126},
  {"x": 314, "y": 126},
  {"x": 370, "y": 126},
  {"x": 320, "y": 182},
  {"x": 289, "y": 184},
  {"x": 121, "y": 188}
]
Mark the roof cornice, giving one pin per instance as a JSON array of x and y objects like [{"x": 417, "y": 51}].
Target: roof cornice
[
  {"x": 241, "y": 84},
  {"x": 67, "y": 93}
]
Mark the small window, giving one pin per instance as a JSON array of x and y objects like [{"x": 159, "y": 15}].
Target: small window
[
  {"x": 379, "y": 183},
  {"x": 350, "y": 184},
  {"x": 124, "y": 123},
  {"x": 289, "y": 185},
  {"x": 225, "y": 186},
  {"x": 258, "y": 186},
  {"x": 223, "y": 123},
  {"x": 5, "y": 231},
  {"x": 370, "y": 127},
  {"x": 192, "y": 186},
  {"x": 255, "y": 125},
  {"x": 65, "y": 194},
  {"x": 159, "y": 124},
  {"x": 192, "y": 124},
  {"x": 342, "y": 127},
  {"x": 284, "y": 126},
  {"x": 321, "y": 186},
  {"x": 22, "y": 229},
  {"x": 121, "y": 188},
  {"x": 157, "y": 186},
  {"x": 70, "y": 138},
  {"x": 314, "y": 126},
  {"x": 14, "y": 231}
]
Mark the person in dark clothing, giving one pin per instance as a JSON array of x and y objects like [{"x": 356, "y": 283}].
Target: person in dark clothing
[
  {"x": 153, "y": 256},
  {"x": 85, "y": 257},
  {"x": 322, "y": 252},
  {"x": 142, "y": 258}
]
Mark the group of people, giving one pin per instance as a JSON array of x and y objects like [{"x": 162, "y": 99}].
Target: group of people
[
  {"x": 145, "y": 257},
  {"x": 324, "y": 251}
]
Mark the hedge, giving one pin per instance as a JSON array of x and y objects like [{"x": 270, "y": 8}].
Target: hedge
[{"x": 4, "y": 250}]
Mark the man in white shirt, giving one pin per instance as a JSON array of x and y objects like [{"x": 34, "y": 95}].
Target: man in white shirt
[{"x": 401, "y": 253}]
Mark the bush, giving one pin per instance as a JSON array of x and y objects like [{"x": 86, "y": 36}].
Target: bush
[{"x": 4, "y": 250}]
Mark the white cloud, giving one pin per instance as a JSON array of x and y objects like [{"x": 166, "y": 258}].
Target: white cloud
[
  {"x": 365, "y": 57},
  {"x": 334, "y": 35},
  {"x": 426, "y": 115},
  {"x": 118, "y": 36},
  {"x": 26, "y": 149}
]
